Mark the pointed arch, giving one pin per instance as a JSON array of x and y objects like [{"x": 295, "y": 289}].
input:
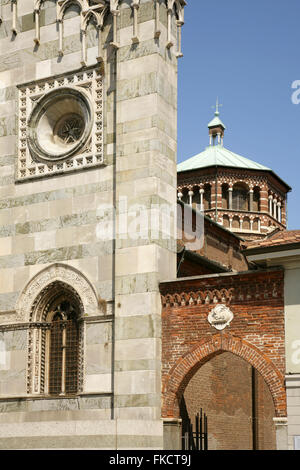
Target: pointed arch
[
  {"x": 57, "y": 273},
  {"x": 97, "y": 16},
  {"x": 63, "y": 5},
  {"x": 181, "y": 373}
]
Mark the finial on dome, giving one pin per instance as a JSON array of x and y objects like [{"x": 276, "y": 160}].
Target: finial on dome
[
  {"x": 216, "y": 127},
  {"x": 218, "y": 105}
]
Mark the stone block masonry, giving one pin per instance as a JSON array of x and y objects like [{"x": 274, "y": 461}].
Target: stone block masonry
[{"x": 122, "y": 59}]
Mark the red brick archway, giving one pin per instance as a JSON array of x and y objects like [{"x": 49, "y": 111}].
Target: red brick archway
[{"x": 180, "y": 375}]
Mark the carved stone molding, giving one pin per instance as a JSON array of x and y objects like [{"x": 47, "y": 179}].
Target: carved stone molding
[
  {"x": 88, "y": 153},
  {"x": 220, "y": 317},
  {"x": 42, "y": 281}
]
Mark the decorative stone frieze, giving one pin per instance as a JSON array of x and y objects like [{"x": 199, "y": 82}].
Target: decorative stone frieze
[
  {"x": 196, "y": 297},
  {"x": 60, "y": 122},
  {"x": 36, "y": 288}
]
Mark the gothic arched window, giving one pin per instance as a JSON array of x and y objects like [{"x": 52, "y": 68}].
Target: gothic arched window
[
  {"x": 63, "y": 350},
  {"x": 56, "y": 342}
]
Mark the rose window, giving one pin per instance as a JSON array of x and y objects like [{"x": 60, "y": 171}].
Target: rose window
[
  {"x": 69, "y": 129},
  {"x": 60, "y": 124}
]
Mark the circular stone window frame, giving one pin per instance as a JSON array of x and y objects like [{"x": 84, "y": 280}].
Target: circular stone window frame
[{"x": 39, "y": 111}]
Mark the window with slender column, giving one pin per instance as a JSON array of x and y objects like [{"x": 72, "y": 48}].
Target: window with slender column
[
  {"x": 256, "y": 224},
  {"x": 246, "y": 223},
  {"x": 63, "y": 350},
  {"x": 240, "y": 198},
  {"x": 236, "y": 222}
]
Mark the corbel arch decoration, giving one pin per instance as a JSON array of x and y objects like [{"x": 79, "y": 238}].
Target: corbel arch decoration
[
  {"x": 96, "y": 17},
  {"x": 135, "y": 5},
  {"x": 114, "y": 9},
  {"x": 37, "y": 10},
  {"x": 14, "y": 7},
  {"x": 62, "y": 6},
  {"x": 175, "y": 7}
]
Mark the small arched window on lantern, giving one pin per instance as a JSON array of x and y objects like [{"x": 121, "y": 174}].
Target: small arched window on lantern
[
  {"x": 226, "y": 222},
  {"x": 236, "y": 222},
  {"x": 225, "y": 196},
  {"x": 246, "y": 223},
  {"x": 256, "y": 199},
  {"x": 207, "y": 197},
  {"x": 240, "y": 197}
]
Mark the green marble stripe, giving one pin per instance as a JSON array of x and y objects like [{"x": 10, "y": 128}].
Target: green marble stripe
[
  {"x": 142, "y": 364},
  {"x": 55, "y": 404},
  {"x": 72, "y": 220},
  {"x": 7, "y": 160},
  {"x": 135, "y": 327},
  {"x": 135, "y": 284},
  {"x": 67, "y": 253},
  {"x": 57, "y": 254},
  {"x": 55, "y": 195},
  {"x": 142, "y": 400}
]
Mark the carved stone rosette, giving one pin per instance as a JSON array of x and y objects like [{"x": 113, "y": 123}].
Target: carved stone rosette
[{"x": 220, "y": 317}]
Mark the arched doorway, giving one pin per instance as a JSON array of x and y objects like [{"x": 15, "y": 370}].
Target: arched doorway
[
  {"x": 237, "y": 402},
  {"x": 185, "y": 368}
]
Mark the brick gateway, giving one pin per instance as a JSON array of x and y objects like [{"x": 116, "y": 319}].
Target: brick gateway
[{"x": 256, "y": 333}]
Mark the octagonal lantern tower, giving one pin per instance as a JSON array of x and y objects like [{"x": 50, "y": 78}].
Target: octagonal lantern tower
[{"x": 244, "y": 196}]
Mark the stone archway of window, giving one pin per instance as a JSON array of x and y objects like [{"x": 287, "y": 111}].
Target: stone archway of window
[{"x": 92, "y": 304}]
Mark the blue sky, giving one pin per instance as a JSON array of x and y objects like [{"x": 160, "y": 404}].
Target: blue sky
[{"x": 248, "y": 54}]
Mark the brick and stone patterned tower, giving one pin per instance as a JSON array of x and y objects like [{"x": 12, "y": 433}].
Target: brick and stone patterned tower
[
  {"x": 244, "y": 196},
  {"x": 87, "y": 149}
]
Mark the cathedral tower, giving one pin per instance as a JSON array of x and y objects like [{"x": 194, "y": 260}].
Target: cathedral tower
[{"x": 87, "y": 161}]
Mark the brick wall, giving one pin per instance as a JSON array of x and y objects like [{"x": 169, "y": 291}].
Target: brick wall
[
  {"x": 229, "y": 404},
  {"x": 218, "y": 245},
  {"x": 255, "y": 334}
]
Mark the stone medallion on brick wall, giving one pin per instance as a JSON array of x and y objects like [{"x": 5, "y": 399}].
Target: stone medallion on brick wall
[
  {"x": 60, "y": 124},
  {"x": 220, "y": 316}
]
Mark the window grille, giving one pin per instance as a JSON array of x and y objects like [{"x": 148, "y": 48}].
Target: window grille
[{"x": 63, "y": 351}]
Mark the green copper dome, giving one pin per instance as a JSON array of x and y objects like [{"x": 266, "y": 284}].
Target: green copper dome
[{"x": 217, "y": 155}]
